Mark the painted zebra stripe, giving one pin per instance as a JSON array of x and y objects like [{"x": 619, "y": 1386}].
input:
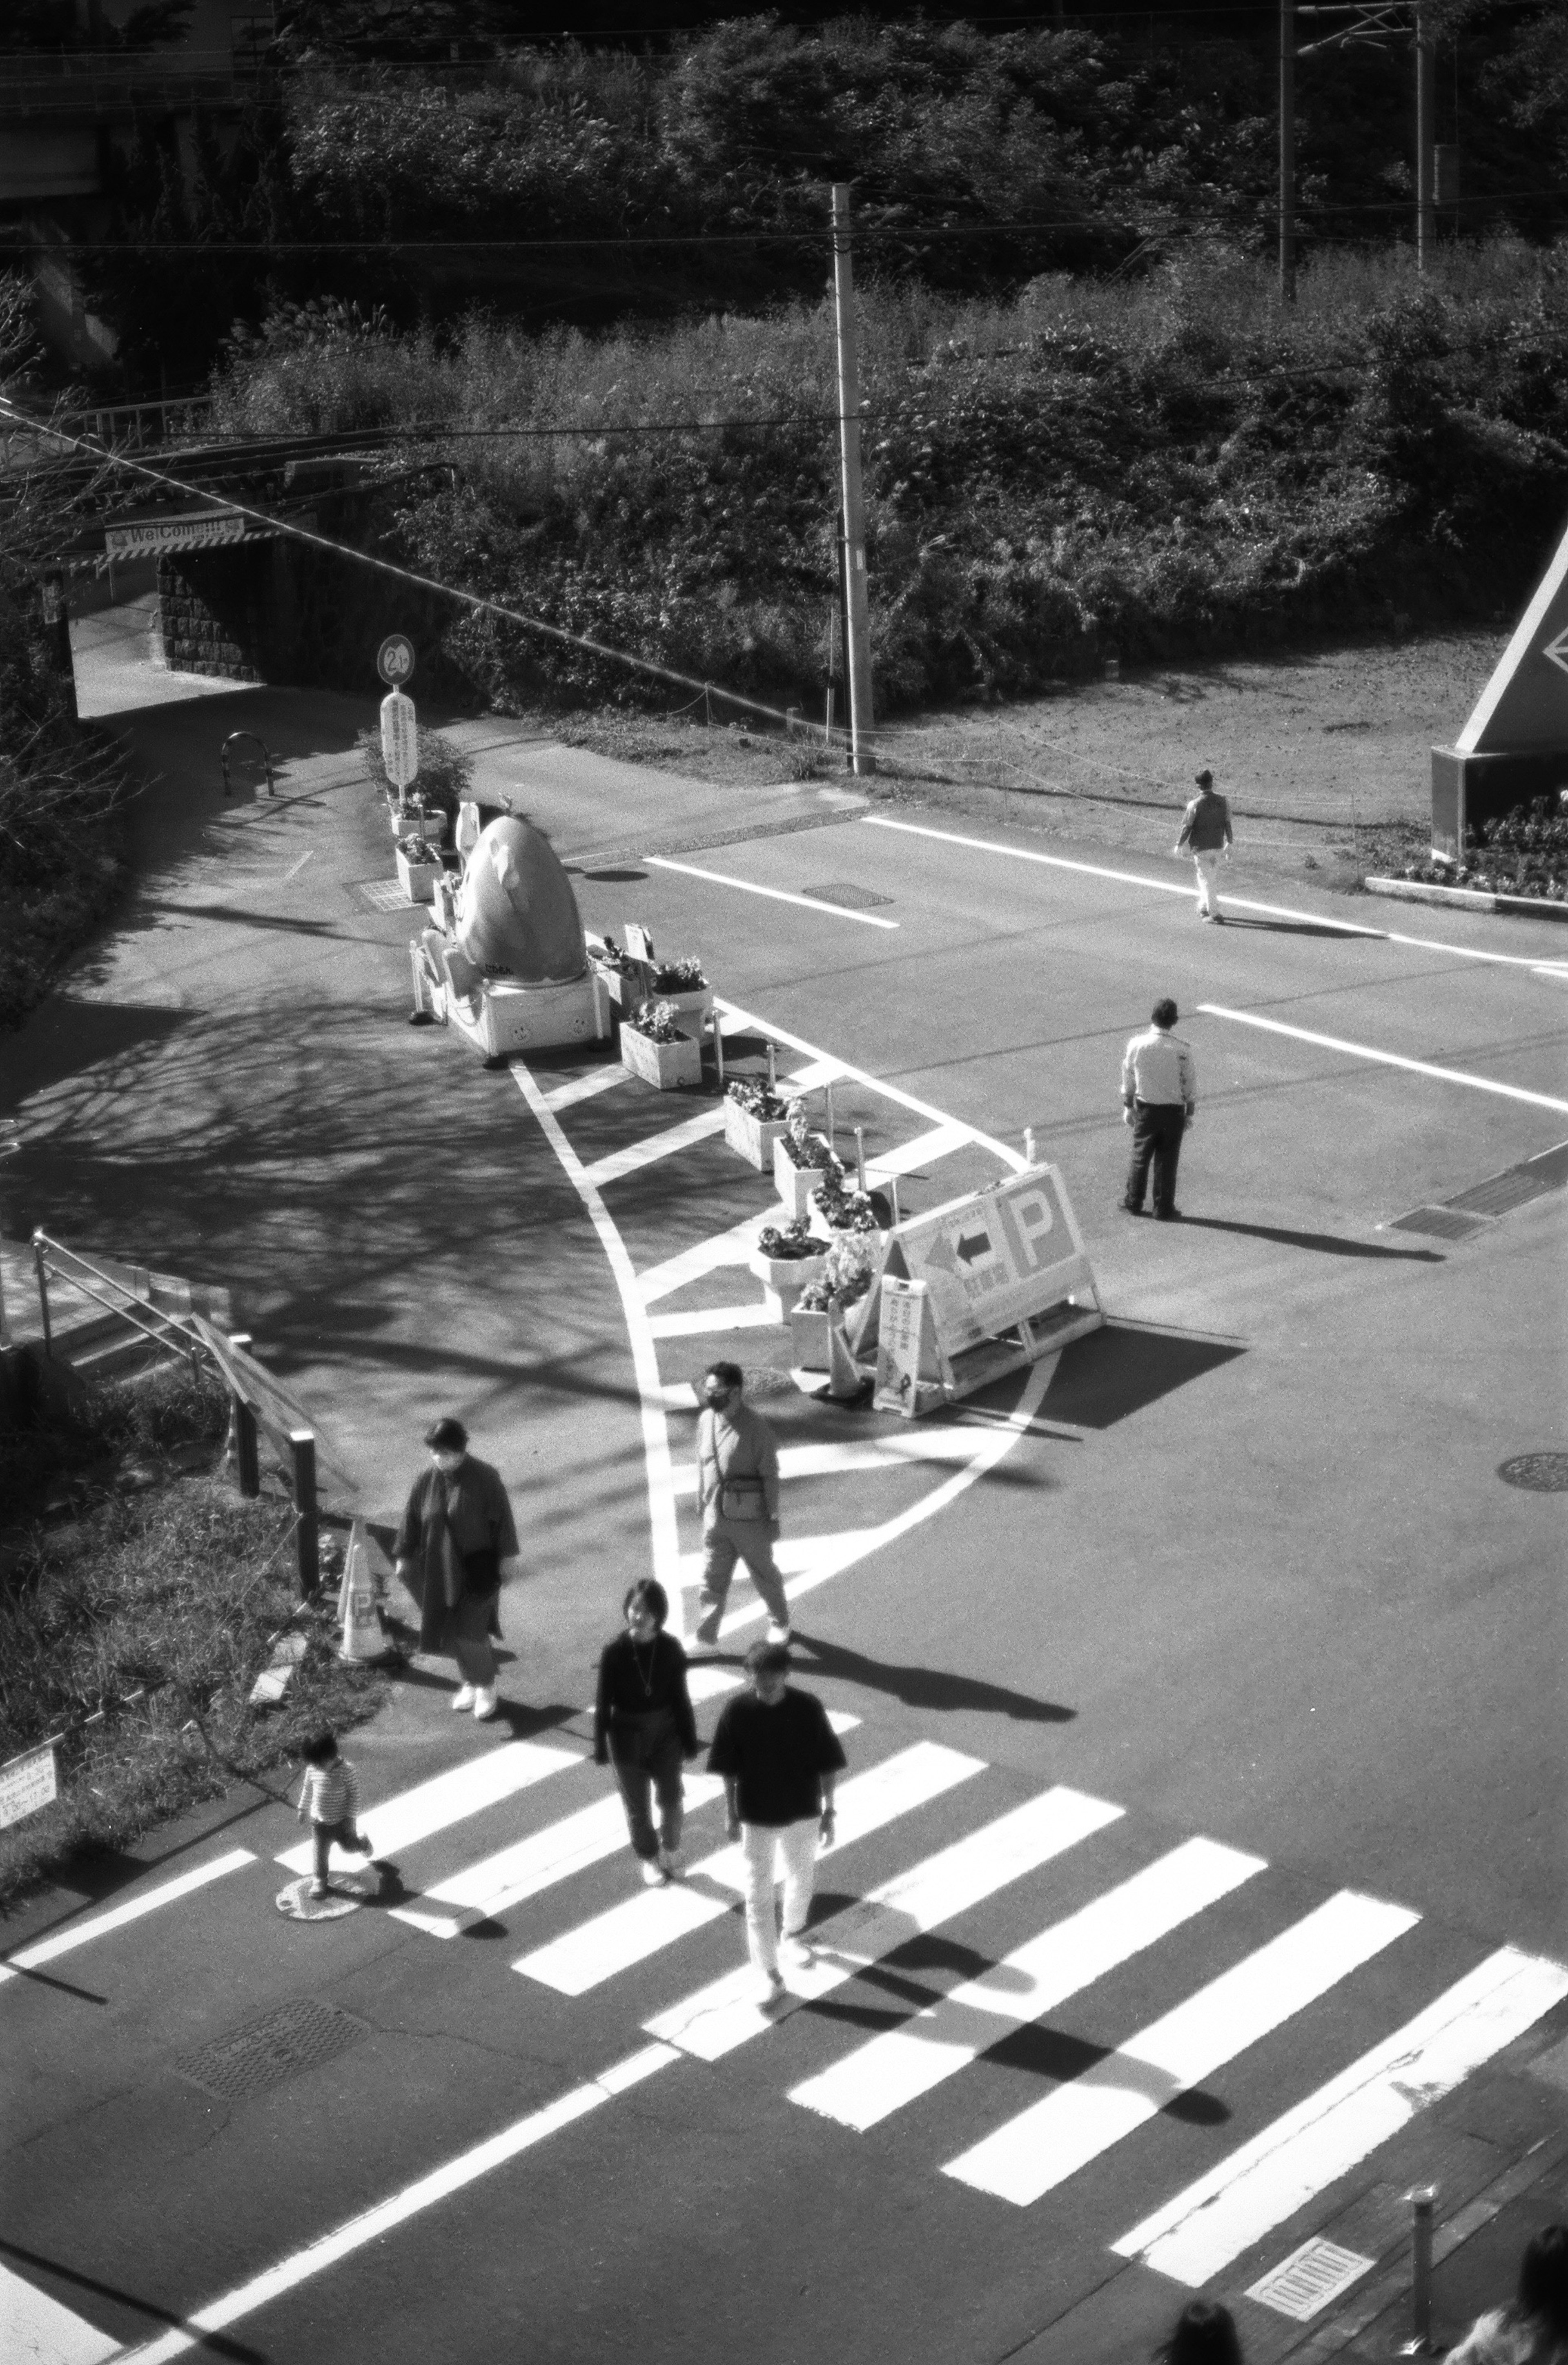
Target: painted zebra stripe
[{"x": 448, "y": 1798}]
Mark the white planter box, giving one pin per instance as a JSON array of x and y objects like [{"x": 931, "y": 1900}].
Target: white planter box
[
  {"x": 667, "y": 1066},
  {"x": 810, "y": 1335},
  {"x": 794, "y": 1183},
  {"x": 694, "y": 1010},
  {"x": 784, "y": 1278},
  {"x": 418, "y": 879},
  {"x": 627, "y": 988},
  {"x": 752, "y": 1137}
]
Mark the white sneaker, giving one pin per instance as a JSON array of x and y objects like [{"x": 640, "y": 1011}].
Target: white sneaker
[
  {"x": 797, "y": 1953},
  {"x": 777, "y": 1633},
  {"x": 462, "y": 1698},
  {"x": 652, "y": 1872},
  {"x": 484, "y": 1703}
]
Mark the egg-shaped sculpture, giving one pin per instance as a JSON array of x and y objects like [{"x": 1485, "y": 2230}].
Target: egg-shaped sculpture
[{"x": 517, "y": 916}]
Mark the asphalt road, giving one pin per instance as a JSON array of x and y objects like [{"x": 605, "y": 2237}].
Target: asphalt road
[{"x": 1245, "y": 1575}]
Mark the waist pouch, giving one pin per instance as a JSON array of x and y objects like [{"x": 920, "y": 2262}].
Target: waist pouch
[
  {"x": 743, "y": 1498},
  {"x": 481, "y": 1572}
]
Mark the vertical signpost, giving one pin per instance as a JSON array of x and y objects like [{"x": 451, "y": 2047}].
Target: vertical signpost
[
  {"x": 855, "y": 599},
  {"x": 399, "y": 728}
]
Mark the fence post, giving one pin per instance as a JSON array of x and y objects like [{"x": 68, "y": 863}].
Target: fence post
[
  {"x": 1420, "y": 2341},
  {"x": 42, "y": 1272},
  {"x": 302, "y": 1451},
  {"x": 247, "y": 1459}
]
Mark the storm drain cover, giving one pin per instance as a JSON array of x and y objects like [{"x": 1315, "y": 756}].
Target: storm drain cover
[
  {"x": 1541, "y": 1473},
  {"x": 260, "y": 2055},
  {"x": 1441, "y": 1223},
  {"x": 847, "y": 895},
  {"x": 1305, "y": 2282},
  {"x": 381, "y": 894}
]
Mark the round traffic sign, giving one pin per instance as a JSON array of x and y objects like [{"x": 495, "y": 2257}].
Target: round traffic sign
[{"x": 394, "y": 659}]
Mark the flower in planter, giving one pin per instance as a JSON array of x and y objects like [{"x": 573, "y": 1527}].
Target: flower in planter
[
  {"x": 752, "y": 1094},
  {"x": 815, "y": 1298},
  {"x": 683, "y": 975},
  {"x": 417, "y": 849},
  {"x": 851, "y": 1211},
  {"x": 789, "y": 1243},
  {"x": 659, "y": 1021},
  {"x": 809, "y": 1148},
  {"x": 852, "y": 1264}
]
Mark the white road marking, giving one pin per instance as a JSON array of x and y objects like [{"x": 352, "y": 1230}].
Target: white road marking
[
  {"x": 1171, "y": 887},
  {"x": 587, "y": 1088},
  {"x": 1385, "y": 1058},
  {"x": 1074, "y": 2124},
  {"x": 397, "y": 1823},
  {"x": 37, "y": 2331},
  {"x": 725, "y": 2014},
  {"x": 696, "y": 1324},
  {"x": 530, "y": 1866},
  {"x": 638, "y": 1154},
  {"x": 923, "y": 1151},
  {"x": 730, "y": 1248},
  {"x": 896, "y": 1452},
  {"x": 640, "y": 1926},
  {"x": 375, "y": 2224},
  {"x": 82, "y": 1933},
  {"x": 1198, "y": 2234},
  {"x": 896, "y": 2067},
  {"x": 774, "y": 895},
  {"x": 298, "y": 865},
  {"x": 707, "y": 1683}
]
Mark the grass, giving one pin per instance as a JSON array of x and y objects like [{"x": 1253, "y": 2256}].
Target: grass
[{"x": 175, "y": 1592}]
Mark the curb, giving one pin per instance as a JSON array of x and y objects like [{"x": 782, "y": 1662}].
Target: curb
[{"x": 1468, "y": 899}]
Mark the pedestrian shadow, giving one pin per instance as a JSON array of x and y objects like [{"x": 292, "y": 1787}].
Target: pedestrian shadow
[
  {"x": 929, "y": 1687},
  {"x": 1339, "y": 929},
  {"x": 1324, "y": 1243},
  {"x": 1123, "y": 1368}
]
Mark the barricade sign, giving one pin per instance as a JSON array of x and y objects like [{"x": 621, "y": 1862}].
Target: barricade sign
[
  {"x": 27, "y": 1783},
  {"x": 908, "y": 1358}
]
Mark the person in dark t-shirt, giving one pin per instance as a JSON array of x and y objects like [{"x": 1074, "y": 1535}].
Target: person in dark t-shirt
[{"x": 779, "y": 1759}]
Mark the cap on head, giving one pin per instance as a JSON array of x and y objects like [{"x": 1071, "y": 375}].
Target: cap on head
[
  {"x": 1204, "y": 780},
  {"x": 446, "y": 1436},
  {"x": 1165, "y": 1013},
  {"x": 768, "y": 1659}
]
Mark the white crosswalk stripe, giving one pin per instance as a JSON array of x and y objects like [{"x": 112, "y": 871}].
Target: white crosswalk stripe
[
  {"x": 901, "y": 2064},
  {"x": 640, "y": 1926},
  {"x": 447, "y": 1798},
  {"x": 1074, "y": 2125}
]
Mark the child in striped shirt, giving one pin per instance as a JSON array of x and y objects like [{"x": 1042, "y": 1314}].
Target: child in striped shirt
[{"x": 328, "y": 1801}]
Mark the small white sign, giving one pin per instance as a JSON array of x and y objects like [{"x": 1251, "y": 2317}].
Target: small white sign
[
  {"x": 26, "y": 1784},
  {"x": 400, "y": 739},
  {"x": 639, "y": 943}
]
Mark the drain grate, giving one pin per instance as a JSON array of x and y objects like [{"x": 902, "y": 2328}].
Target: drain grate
[
  {"x": 845, "y": 894},
  {"x": 1516, "y": 1186},
  {"x": 381, "y": 894},
  {"x": 1302, "y": 2285},
  {"x": 1539, "y": 1474},
  {"x": 1443, "y": 1223},
  {"x": 263, "y": 2052}
]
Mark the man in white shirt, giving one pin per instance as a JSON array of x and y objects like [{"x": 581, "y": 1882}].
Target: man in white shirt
[{"x": 1160, "y": 1098}]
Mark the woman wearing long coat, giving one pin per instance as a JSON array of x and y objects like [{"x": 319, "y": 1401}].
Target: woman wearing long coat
[{"x": 456, "y": 1543}]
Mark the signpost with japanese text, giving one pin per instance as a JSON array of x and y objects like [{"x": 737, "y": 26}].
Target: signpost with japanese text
[{"x": 400, "y": 740}]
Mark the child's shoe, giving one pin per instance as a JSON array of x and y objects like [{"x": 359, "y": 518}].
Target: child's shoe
[
  {"x": 319, "y": 1888},
  {"x": 462, "y": 1698}
]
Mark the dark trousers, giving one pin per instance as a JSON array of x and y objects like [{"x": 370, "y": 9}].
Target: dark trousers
[
  {"x": 321, "y": 1838},
  {"x": 646, "y": 1754},
  {"x": 1156, "y": 1134}
]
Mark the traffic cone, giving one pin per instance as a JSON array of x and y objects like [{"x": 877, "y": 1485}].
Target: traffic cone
[
  {"x": 360, "y": 1596},
  {"x": 846, "y": 1381}
]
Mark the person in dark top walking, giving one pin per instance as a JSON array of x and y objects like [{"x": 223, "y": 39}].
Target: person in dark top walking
[
  {"x": 642, "y": 1725},
  {"x": 1206, "y": 835},
  {"x": 456, "y": 1545},
  {"x": 781, "y": 1759}
]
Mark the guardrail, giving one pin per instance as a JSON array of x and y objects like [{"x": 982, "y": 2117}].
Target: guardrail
[
  {"x": 170, "y": 1333},
  {"x": 260, "y": 1403},
  {"x": 266, "y": 758},
  {"x": 133, "y": 426}
]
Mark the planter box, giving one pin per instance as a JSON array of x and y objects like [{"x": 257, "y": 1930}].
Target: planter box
[
  {"x": 810, "y": 1335},
  {"x": 752, "y": 1137},
  {"x": 430, "y": 821},
  {"x": 1468, "y": 899},
  {"x": 667, "y": 1066},
  {"x": 627, "y": 988},
  {"x": 784, "y": 1278},
  {"x": 794, "y": 1183},
  {"x": 694, "y": 1010},
  {"x": 418, "y": 879}
]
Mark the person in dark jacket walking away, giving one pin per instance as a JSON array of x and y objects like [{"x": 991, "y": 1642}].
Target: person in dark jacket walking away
[
  {"x": 737, "y": 1493},
  {"x": 1159, "y": 1099},
  {"x": 456, "y": 1544},
  {"x": 1207, "y": 836},
  {"x": 642, "y": 1725},
  {"x": 781, "y": 1759}
]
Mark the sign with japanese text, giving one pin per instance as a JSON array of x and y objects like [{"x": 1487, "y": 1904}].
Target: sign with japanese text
[
  {"x": 991, "y": 1259},
  {"x": 26, "y": 1784},
  {"x": 400, "y": 739},
  {"x": 906, "y": 1345}
]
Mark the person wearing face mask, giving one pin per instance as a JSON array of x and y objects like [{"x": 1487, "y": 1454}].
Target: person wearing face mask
[
  {"x": 737, "y": 1493},
  {"x": 456, "y": 1544}
]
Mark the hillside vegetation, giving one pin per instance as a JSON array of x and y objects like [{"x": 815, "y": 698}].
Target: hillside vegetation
[{"x": 1162, "y": 468}]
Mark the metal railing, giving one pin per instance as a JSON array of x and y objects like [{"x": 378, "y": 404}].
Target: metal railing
[
  {"x": 133, "y": 426},
  {"x": 167, "y": 1332},
  {"x": 266, "y": 758}
]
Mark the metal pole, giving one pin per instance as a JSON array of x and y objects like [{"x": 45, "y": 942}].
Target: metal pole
[
  {"x": 1287, "y": 151},
  {"x": 1029, "y": 1145},
  {"x": 828, "y": 1091},
  {"x": 718, "y": 1048},
  {"x": 247, "y": 1455},
  {"x": 860, "y": 755},
  {"x": 860, "y": 1156},
  {"x": 1426, "y": 94},
  {"x": 42, "y": 1272},
  {"x": 1420, "y": 2341},
  {"x": 772, "y": 1069},
  {"x": 302, "y": 1451}
]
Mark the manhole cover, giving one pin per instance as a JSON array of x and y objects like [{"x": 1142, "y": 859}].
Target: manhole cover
[
  {"x": 253, "y": 2060},
  {"x": 1439, "y": 1223},
  {"x": 1302, "y": 2284},
  {"x": 381, "y": 894},
  {"x": 847, "y": 896},
  {"x": 1540, "y": 1474}
]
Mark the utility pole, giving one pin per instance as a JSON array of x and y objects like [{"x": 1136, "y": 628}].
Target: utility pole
[
  {"x": 1426, "y": 94},
  {"x": 1287, "y": 151},
  {"x": 856, "y": 607}
]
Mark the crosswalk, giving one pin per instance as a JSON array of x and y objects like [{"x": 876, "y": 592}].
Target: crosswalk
[{"x": 933, "y": 1839}]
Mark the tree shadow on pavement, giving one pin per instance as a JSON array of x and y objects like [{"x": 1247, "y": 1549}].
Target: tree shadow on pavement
[
  {"x": 1325, "y": 1243},
  {"x": 1120, "y": 1369},
  {"x": 218, "y": 2344},
  {"x": 929, "y": 1687}
]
